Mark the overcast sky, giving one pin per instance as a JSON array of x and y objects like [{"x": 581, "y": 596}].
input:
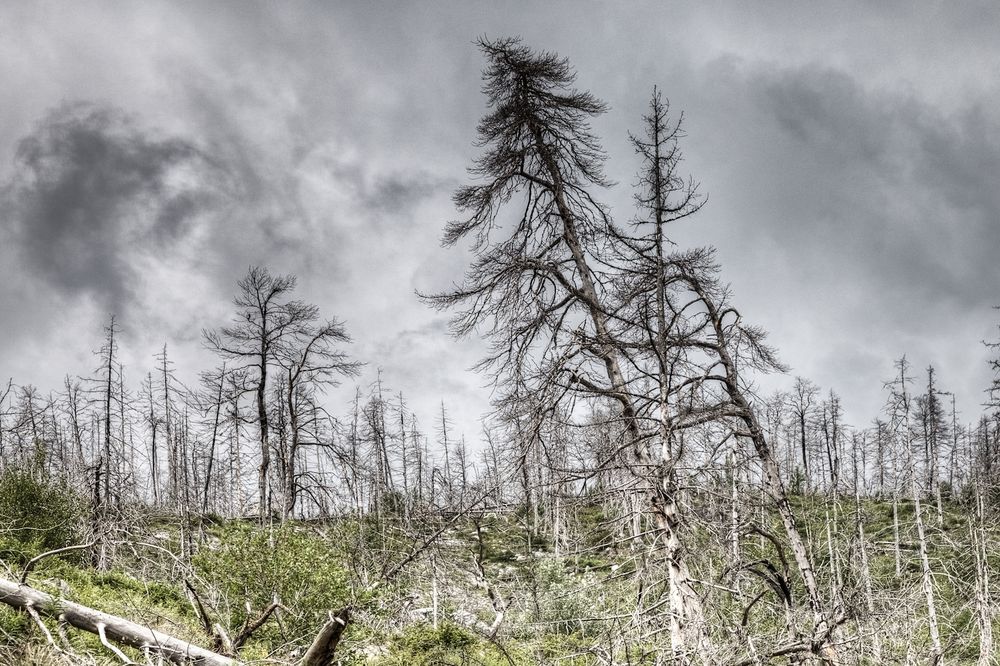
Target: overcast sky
[{"x": 150, "y": 152}]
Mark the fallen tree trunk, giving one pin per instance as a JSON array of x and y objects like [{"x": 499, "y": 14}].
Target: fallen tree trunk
[{"x": 120, "y": 630}]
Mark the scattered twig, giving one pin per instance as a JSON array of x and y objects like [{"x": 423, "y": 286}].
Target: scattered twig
[{"x": 106, "y": 643}]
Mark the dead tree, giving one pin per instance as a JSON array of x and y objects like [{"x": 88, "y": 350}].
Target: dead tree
[
  {"x": 109, "y": 392},
  {"x": 983, "y": 602},
  {"x": 576, "y": 308},
  {"x": 107, "y": 627},
  {"x": 653, "y": 321},
  {"x": 732, "y": 346},
  {"x": 830, "y": 425},
  {"x": 902, "y": 404},
  {"x": 375, "y": 430},
  {"x": 803, "y": 398},
  {"x": 404, "y": 457},
  {"x": 173, "y": 459},
  {"x": 445, "y": 444},
  {"x": 931, "y": 415},
  {"x": 310, "y": 363},
  {"x": 153, "y": 422},
  {"x": 103, "y": 499},
  {"x": 213, "y": 400},
  {"x": 4, "y": 454},
  {"x": 535, "y": 290},
  {"x": 265, "y": 323},
  {"x": 321, "y": 651}
]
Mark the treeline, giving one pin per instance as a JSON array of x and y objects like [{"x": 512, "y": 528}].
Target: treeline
[
  {"x": 254, "y": 438},
  {"x": 172, "y": 447}
]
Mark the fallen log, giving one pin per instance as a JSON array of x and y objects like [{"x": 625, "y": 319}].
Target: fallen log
[{"x": 120, "y": 630}]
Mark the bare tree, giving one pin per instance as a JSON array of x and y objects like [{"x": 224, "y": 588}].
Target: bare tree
[
  {"x": 735, "y": 346},
  {"x": 830, "y": 425},
  {"x": 102, "y": 482},
  {"x": 982, "y": 595},
  {"x": 993, "y": 391},
  {"x": 108, "y": 355},
  {"x": 542, "y": 294},
  {"x": 214, "y": 398},
  {"x": 153, "y": 422},
  {"x": 653, "y": 340},
  {"x": 902, "y": 407},
  {"x": 803, "y": 401},
  {"x": 267, "y": 320},
  {"x": 4, "y": 412},
  {"x": 310, "y": 363},
  {"x": 576, "y": 308},
  {"x": 443, "y": 425}
]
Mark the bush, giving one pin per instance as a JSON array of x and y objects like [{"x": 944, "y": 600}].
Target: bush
[
  {"x": 423, "y": 645},
  {"x": 254, "y": 564},
  {"x": 37, "y": 516}
]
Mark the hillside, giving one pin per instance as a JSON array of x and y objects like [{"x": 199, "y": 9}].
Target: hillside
[{"x": 479, "y": 588}]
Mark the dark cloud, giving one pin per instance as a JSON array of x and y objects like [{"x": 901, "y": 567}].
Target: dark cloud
[
  {"x": 380, "y": 191},
  {"x": 395, "y": 193},
  {"x": 874, "y": 194},
  {"x": 889, "y": 186},
  {"x": 92, "y": 191},
  {"x": 857, "y": 222}
]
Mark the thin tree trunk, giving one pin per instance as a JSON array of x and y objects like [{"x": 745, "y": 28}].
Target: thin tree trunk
[
  {"x": 107, "y": 412},
  {"x": 734, "y": 517},
  {"x": 212, "y": 442},
  {"x": 927, "y": 581},
  {"x": 982, "y": 596},
  {"x": 264, "y": 432}
]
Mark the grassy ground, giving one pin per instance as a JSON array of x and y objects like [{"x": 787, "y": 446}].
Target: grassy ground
[{"x": 573, "y": 607}]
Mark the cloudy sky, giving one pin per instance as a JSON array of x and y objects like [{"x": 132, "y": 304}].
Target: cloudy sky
[{"x": 150, "y": 152}]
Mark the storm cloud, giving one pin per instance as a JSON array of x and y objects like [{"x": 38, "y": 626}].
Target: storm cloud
[
  {"x": 93, "y": 193},
  {"x": 874, "y": 183}
]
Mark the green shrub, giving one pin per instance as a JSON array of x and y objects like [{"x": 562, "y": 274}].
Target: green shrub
[
  {"x": 13, "y": 624},
  {"x": 37, "y": 516},
  {"x": 423, "y": 638},
  {"x": 421, "y": 644},
  {"x": 254, "y": 564},
  {"x": 596, "y": 527}
]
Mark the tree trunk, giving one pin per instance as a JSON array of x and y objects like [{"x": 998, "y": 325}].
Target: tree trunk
[
  {"x": 320, "y": 653},
  {"x": 291, "y": 491},
  {"x": 927, "y": 581},
  {"x": 983, "y": 616},
  {"x": 115, "y": 628},
  {"x": 265, "y": 446},
  {"x": 212, "y": 442}
]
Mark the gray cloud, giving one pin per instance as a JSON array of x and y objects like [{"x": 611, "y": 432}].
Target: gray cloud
[
  {"x": 91, "y": 191},
  {"x": 395, "y": 193},
  {"x": 887, "y": 185},
  {"x": 849, "y": 152},
  {"x": 857, "y": 222}
]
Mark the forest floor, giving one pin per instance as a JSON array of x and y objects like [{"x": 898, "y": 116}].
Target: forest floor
[{"x": 485, "y": 591}]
